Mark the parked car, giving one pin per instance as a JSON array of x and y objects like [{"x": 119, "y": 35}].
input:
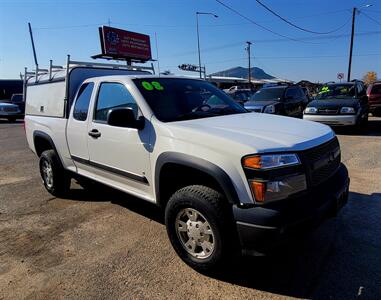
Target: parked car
[
  {"x": 374, "y": 97},
  {"x": 307, "y": 93},
  {"x": 279, "y": 100},
  {"x": 10, "y": 111},
  {"x": 19, "y": 101},
  {"x": 227, "y": 179},
  {"x": 241, "y": 96},
  {"x": 339, "y": 104}
]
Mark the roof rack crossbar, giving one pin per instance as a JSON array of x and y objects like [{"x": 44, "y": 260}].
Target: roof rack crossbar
[
  {"x": 72, "y": 63},
  {"x": 116, "y": 66}
]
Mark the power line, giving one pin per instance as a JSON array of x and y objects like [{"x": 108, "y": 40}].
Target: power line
[
  {"x": 290, "y": 57},
  {"x": 369, "y": 17},
  {"x": 294, "y": 25},
  {"x": 70, "y": 26},
  {"x": 259, "y": 25},
  {"x": 240, "y": 43}
]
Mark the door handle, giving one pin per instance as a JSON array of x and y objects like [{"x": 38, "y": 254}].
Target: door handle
[{"x": 94, "y": 133}]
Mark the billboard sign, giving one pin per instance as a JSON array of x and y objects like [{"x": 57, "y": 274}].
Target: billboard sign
[{"x": 119, "y": 44}]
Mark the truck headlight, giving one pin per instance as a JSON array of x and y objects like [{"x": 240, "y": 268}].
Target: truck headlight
[
  {"x": 269, "y": 109},
  {"x": 278, "y": 189},
  {"x": 347, "y": 110},
  {"x": 270, "y": 161},
  {"x": 310, "y": 110}
]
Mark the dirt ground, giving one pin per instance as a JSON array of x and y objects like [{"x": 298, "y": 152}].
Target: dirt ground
[{"x": 104, "y": 244}]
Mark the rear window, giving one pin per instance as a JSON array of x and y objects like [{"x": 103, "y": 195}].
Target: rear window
[
  {"x": 268, "y": 94},
  {"x": 376, "y": 89}
]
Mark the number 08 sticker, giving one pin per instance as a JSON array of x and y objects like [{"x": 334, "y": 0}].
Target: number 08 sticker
[{"x": 149, "y": 86}]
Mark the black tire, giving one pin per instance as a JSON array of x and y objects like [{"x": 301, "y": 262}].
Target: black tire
[
  {"x": 57, "y": 182},
  {"x": 212, "y": 206},
  {"x": 12, "y": 120}
]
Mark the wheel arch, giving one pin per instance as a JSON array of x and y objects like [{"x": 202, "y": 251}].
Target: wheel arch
[
  {"x": 42, "y": 141},
  {"x": 196, "y": 166}
]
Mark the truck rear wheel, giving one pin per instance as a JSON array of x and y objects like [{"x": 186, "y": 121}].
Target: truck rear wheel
[
  {"x": 54, "y": 177},
  {"x": 200, "y": 227}
]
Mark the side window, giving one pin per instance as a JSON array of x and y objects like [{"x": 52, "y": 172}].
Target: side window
[
  {"x": 82, "y": 104},
  {"x": 291, "y": 94},
  {"x": 112, "y": 95}
]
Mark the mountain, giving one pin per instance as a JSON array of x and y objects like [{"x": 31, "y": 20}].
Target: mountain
[{"x": 256, "y": 73}]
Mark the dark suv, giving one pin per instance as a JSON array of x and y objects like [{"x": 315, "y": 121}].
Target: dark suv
[{"x": 280, "y": 100}]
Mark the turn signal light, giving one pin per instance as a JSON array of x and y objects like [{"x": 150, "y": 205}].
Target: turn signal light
[
  {"x": 253, "y": 162},
  {"x": 259, "y": 190}
]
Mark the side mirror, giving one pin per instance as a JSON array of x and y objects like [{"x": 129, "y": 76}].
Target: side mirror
[{"x": 124, "y": 117}]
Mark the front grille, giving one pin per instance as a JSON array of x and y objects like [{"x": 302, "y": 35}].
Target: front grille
[
  {"x": 322, "y": 161},
  {"x": 10, "y": 109},
  {"x": 327, "y": 111}
]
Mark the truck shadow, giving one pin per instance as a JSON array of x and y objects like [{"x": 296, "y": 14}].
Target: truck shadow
[
  {"x": 338, "y": 260},
  {"x": 102, "y": 193}
]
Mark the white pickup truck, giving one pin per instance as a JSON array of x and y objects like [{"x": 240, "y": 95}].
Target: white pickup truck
[{"x": 227, "y": 179}]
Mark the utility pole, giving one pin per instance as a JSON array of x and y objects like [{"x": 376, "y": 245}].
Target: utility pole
[
  {"x": 351, "y": 46},
  {"x": 34, "y": 50},
  {"x": 248, "y": 53}
]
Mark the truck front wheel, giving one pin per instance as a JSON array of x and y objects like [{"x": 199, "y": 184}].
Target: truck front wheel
[
  {"x": 200, "y": 227},
  {"x": 54, "y": 177}
]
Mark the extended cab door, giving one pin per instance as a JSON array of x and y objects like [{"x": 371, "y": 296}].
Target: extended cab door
[
  {"x": 76, "y": 132},
  {"x": 119, "y": 155}
]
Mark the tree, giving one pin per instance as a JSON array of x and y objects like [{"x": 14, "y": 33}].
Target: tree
[{"x": 370, "y": 77}]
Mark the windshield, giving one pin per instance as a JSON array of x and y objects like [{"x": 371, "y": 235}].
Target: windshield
[
  {"x": 376, "y": 89},
  {"x": 337, "y": 91},
  {"x": 17, "y": 98},
  {"x": 268, "y": 94},
  {"x": 176, "y": 99}
]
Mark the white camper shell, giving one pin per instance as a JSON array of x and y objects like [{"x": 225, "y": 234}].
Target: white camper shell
[{"x": 50, "y": 92}]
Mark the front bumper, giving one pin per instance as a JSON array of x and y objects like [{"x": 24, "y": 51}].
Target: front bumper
[
  {"x": 261, "y": 228},
  {"x": 333, "y": 120},
  {"x": 5, "y": 115},
  {"x": 374, "y": 107}
]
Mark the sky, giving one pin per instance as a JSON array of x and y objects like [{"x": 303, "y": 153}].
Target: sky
[{"x": 71, "y": 27}]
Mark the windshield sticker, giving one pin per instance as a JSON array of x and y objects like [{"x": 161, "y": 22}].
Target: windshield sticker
[
  {"x": 147, "y": 85},
  {"x": 324, "y": 89},
  {"x": 157, "y": 85},
  {"x": 153, "y": 85}
]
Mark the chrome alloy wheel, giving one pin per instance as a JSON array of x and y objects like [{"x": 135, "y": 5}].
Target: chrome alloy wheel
[
  {"x": 47, "y": 173},
  {"x": 195, "y": 233}
]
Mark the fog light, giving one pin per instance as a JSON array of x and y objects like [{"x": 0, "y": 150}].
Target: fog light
[{"x": 278, "y": 189}]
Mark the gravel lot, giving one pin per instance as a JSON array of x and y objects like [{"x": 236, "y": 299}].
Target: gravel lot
[{"x": 109, "y": 245}]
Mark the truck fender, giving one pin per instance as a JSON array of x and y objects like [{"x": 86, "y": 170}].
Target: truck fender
[
  {"x": 202, "y": 165},
  {"x": 37, "y": 134}
]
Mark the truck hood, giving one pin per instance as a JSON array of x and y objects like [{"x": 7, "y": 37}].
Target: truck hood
[
  {"x": 4, "y": 104},
  {"x": 252, "y": 133}
]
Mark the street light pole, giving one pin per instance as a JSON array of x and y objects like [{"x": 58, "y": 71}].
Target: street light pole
[
  {"x": 248, "y": 53},
  {"x": 198, "y": 38},
  {"x": 198, "y": 44}
]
